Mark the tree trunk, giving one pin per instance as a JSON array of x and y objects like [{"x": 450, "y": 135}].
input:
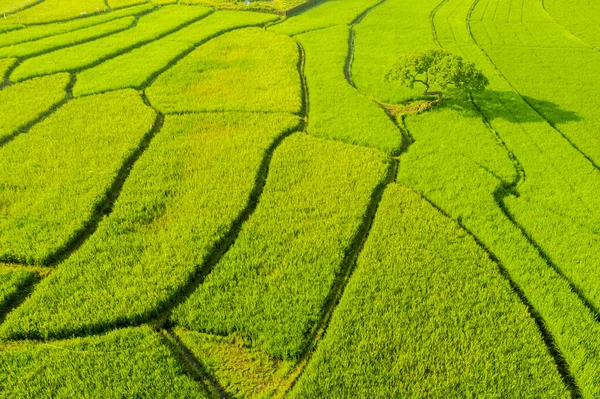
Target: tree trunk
[{"x": 439, "y": 95}]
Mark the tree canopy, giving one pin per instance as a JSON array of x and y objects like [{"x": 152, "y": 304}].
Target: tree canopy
[{"x": 439, "y": 68}]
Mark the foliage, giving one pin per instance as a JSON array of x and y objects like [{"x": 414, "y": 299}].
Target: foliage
[
  {"x": 244, "y": 70},
  {"x": 148, "y": 28},
  {"x": 11, "y": 282},
  {"x": 427, "y": 314},
  {"x": 24, "y": 102},
  {"x": 54, "y": 177},
  {"x": 180, "y": 199},
  {"x": 137, "y": 67},
  {"x": 123, "y": 363},
  {"x": 272, "y": 284},
  {"x": 47, "y": 44},
  {"x": 45, "y": 30},
  {"x": 438, "y": 68},
  {"x": 244, "y": 372},
  {"x": 338, "y": 111}
]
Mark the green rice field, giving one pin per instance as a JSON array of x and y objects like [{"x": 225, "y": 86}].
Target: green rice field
[{"x": 246, "y": 199}]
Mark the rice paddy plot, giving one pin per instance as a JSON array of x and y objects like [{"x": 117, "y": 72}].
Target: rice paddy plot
[
  {"x": 28, "y": 49},
  {"x": 427, "y": 314},
  {"x": 181, "y": 198},
  {"x": 11, "y": 6},
  {"x": 244, "y": 70},
  {"x": 123, "y": 363},
  {"x": 581, "y": 18},
  {"x": 116, "y": 4},
  {"x": 55, "y": 177},
  {"x": 329, "y": 13},
  {"x": 40, "y": 31},
  {"x": 337, "y": 110},
  {"x": 11, "y": 282},
  {"x": 5, "y": 65},
  {"x": 243, "y": 371},
  {"x": 272, "y": 284},
  {"x": 23, "y": 103},
  {"x": 139, "y": 66},
  {"x": 56, "y": 10},
  {"x": 148, "y": 28}
]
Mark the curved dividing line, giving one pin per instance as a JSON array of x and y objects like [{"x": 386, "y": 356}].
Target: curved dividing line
[
  {"x": 24, "y": 8},
  {"x": 192, "y": 364},
  {"x": 432, "y": 22},
  {"x": 543, "y": 5},
  {"x": 551, "y": 124},
  {"x": 19, "y": 297},
  {"x": 106, "y": 204},
  {"x": 42, "y": 116},
  {"x": 125, "y": 49},
  {"x": 549, "y": 340}
]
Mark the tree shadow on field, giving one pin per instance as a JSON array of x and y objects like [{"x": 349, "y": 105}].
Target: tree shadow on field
[{"x": 511, "y": 107}]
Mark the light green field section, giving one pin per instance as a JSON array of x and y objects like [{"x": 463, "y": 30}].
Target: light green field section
[
  {"x": 330, "y": 13},
  {"x": 56, "y": 10},
  {"x": 380, "y": 41},
  {"x": 244, "y": 70},
  {"x": 147, "y": 29},
  {"x": 337, "y": 110},
  {"x": 124, "y": 363},
  {"x": 5, "y": 64},
  {"x": 555, "y": 177},
  {"x": 139, "y": 66},
  {"x": 23, "y": 103},
  {"x": 41, "y": 31},
  {"x": 524, "y": 38},
  {"x": 273, "y": 283},
  {"x": 115, "y": 4},
  {"x": 243, "y": 372},
  {"x": 581, "y": 18},
  {"x": 11, "y": 281},
  {"x": 260, "y": 5},
  {"x": 47, "y": 44},
  {"x": 11, "y": 6},
  {"x": 181, "y": 198},
  {"x": 427, "y": 314},
  {"x": 55, "y": 177}
]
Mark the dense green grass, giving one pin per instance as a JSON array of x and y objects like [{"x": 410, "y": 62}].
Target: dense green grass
[
  {"x": 56, "y": 10},
  {"x": 135, "y": 68},
  {"x": 244, "y": 70},
  {"x": 243, "y": 371},
  {"x": 330, "y": 13},
  {"x": 148, "y": 28},
  {"x": 24, "y": 102},
  {"x": 181, "y": 197},
  {"x": 564, "y": 85},
  {"x": 272, "y": 284},
  {"x": 5, "y": 64},
  {"x": 11, "y": 282},
  {"x": 582, "y": 18},
  {"x": 41, "y": 31},
  {"x": 11, "y": 6},
  {"x": 114, "y": 4},
  {"x": 337, "y": 110},
  {"x": 555, "y": 176},
  {"x": 40, "y": 46},
  {"x": 55, "y": 176},
  {"x": 123, "y": 363},
  {"x": 426, "y": 314}
]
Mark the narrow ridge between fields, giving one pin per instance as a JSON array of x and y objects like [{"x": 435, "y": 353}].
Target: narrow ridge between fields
[
  {"x": 24, "y": 8},
  {"x": 123, "y": 50},
  {"x": 487, "y": 56},
  {"x": 22, "y": 294},
  {"x": 543, "y": 6},
  {"x": 194, "y": 367},
  {"x": 503, "y": 190},
  {"x": 44, "y": 115}
]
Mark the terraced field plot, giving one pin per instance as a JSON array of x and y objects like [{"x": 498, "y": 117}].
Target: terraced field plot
[{"x": 223, "y": 199}]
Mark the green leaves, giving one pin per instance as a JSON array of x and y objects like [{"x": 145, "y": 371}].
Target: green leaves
[{"x": 437, "y": 68}]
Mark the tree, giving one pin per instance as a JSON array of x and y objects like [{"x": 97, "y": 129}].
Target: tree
[{"x": 437, "y": 67}]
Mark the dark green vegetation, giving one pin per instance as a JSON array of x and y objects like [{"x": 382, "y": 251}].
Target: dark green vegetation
[{"x": 198, "y": 200}]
